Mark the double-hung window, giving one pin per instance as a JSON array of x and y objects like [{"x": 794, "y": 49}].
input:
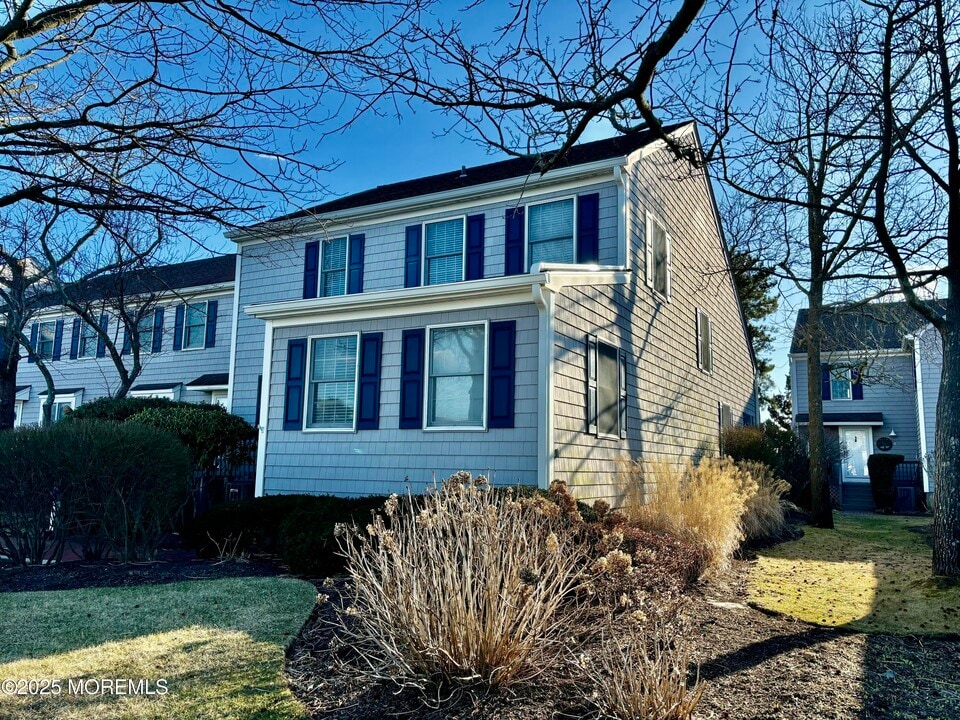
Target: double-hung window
[
  {"x": 46, "y": 335},
  {"x": 87, "y": 344},
  {"x": 550, "y": 236},
  {"x": 331, "y": 401},
  {"x": 606, "y": 389},
  {"x": 443, "y": 252},
  {"x": 145, "y": 332},
  {"x": 840, "y": 385},
  {"x": 455, "y": 377},
  {"x": 195, "y": 326},
  {"x": 333, "y": 267},
  {"x": 658, "y": 257},
  {"x": 704, "y": 342}
]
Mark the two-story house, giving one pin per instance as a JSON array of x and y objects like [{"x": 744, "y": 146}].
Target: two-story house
[
  {"x": 879, "y": 381},
  {"x": 184, "y": 340},
  {"x": 529, "y": 327}
]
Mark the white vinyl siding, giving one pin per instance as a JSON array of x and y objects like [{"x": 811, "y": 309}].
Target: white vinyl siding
[
  {"x": 195, "y": 326},
  {"x": 333, "y": 267},
  {"x": 550, "y": 233},
  {"x": 456, "y": 382},
  {"x": 333, "y": 383},
  {"x": 443, "y": 252}
]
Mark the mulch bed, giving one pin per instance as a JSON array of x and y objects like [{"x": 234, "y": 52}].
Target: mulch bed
[{"x": 754, "y": 665}]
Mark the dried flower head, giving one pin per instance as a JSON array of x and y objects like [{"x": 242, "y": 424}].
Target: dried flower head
[
  {"x": 390, "y": 506},
  {"x": 553, "y": 543}
]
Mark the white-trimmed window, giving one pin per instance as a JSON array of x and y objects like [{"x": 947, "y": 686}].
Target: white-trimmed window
[
  {"x": 18, "y": 412},
  {"x": 61, "y": 403},
  {"x": 87, "y": 344},
  {"x": 195, "y": 326},
  {"x": 46, "y": 335},
  {"x": 333, "y": 267},
  {"x": 606, "y": 394},
  {"x": 550, "y": 232},
  {"x": 443, "y": 250},
  {"x": 456, "y": 380},
  {"x": 704, "y": 341},
  {"x": 841, "y": 385},
  {"x": 331, "y": 399},
  {"x": 658, "y": 257},
  {"x": 145, "y": 332}
]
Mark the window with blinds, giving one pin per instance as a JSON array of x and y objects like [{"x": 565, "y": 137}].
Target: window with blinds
[
  {"x": 550, "y": 233},
  {"x": 333, "y": 267},
  {"x": 443, "y": 252},
  {"x": 333, "y": 382}
]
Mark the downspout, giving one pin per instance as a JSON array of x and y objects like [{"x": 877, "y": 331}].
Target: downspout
[
  {"x": 264, "y": 407},
  {"x": 622, "y": 177},
  {"x": 921, "y": 415},
  {"x": 543, "y": 297},
  {"x": 231, "y": 378}
]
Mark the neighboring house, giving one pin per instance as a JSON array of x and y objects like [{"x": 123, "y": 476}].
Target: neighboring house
[
  {"x": 185, "y": 340},
  {"x": 527, "y": 327},
  {"x": 879, "y": 380}
]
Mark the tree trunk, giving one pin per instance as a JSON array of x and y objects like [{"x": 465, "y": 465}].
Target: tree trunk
[
  {"x": 9, "y": 361},
  {"x": 822, "y": 512},
  {"x": 946, "y": 489}
]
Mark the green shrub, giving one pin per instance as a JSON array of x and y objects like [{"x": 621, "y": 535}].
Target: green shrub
[
  {"x": 784, "y": 451},
  {"x": 881, "y": 469},
  {"x": 117, "y": 409},
  {"x": 297, "y": 528},
  {"x": 208, "y": 431},
  {"x": 750, "y": 443},
  {"x": 117, "y": 486}
]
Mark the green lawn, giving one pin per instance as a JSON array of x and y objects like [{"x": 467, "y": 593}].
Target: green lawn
[
  {"x": 218, "y": 644},
  {"x": 871, "y": 574}
]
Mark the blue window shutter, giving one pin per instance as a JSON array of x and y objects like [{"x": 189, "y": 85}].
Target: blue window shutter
[
  {"x": 178, "y": 328},
  {"x": 368, "y": 397},
  {"x": 311, "y": 269},
  {"x": 355, "y": 264},
  {"x": 591, "y": 404},
  {"x": 856, "y": 384},
  {"x": 126, "y": 339},
  {"x": 588, "y": 228},
  {"x": 58, "y": 340},
  {"x": 623, "y": 393},
  {"x": 210, "y": 340},
  {"x": 296, "y": 379},
  {"x": 475, "y": 225},
  {"x": 157, "y": 330},
  {"x": 75, "y": 339},
  {"x": 34, "y": 332},
  {"x": 513, "y": 242},
  {"x": 411, "y": 378},
  {"x": 101, "y": 343},
  {"x": 411, "y": 265},
  {"x": 825, "y": 381},
  {"x": 502, "y": 375}
]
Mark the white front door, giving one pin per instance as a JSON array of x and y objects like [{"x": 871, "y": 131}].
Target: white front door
[{"x": 858, "y": 444}]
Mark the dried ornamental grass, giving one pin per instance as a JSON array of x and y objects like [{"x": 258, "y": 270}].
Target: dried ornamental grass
[
  {"x": 765, "y": 516},
  {"x": 640, "y": 672},
  {"x": 702, "y": 504},
  {"x": 462, "y": 585}
]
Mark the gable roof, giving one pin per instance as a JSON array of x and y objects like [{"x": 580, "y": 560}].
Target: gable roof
[
  {"x": 874, "y": 326},
  {"x": 217, "y": 270},
  {"x": 582, "y": 154}
]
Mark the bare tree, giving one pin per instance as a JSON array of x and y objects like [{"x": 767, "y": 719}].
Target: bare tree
[{"x": 920, "y": 40}]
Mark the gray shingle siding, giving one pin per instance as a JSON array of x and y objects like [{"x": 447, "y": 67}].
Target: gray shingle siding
[
  {"x": 98, "y": 376},
  {"x": 673, "y": 406},
  {"x": 389, "y": 459}
]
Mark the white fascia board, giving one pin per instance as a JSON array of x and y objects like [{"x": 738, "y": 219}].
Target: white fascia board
[
  {"x": 470, "y": 294},
  {"x": 658, "y": 145},
  {"x": 853, "y": 354},
  {"x": 206, "y": 388},
  {"x": 448, "y": 200}
]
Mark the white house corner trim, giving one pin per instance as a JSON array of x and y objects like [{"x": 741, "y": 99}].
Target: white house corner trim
[
  {"x": 622, "y": 175},
  {"x": 544, "y": 300},
  {"x": 264, "y": 408},
  {"x": 233, "y": 333}
]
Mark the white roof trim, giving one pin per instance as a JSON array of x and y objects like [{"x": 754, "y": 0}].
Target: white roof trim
[
  {"x": 848, "y": 354},
  {"x": 838, "y": 423},
  {"x": 470, "y": 294}
]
